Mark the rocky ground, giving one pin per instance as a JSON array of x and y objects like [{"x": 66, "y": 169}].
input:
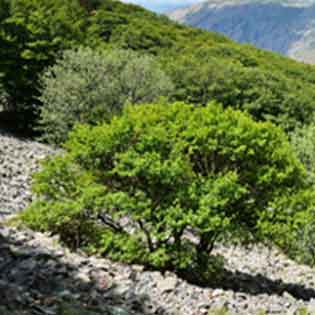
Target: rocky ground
[
  {"x": 18, "y": 160},
  {"x": 39, "y": 276}
]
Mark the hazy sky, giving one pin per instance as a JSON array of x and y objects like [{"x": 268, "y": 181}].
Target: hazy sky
[{"x": 162, "y": 5}]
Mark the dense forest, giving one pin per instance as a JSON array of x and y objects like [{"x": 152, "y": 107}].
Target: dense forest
[{"x": 181, "y": 131}]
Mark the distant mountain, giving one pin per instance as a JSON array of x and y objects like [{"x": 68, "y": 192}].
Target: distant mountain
[
  {"x": 284, "y": 26},
  {"x": 162, "y": 6}
]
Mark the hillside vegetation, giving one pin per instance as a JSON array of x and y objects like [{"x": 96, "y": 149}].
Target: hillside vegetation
[
  {"x": 203, "y": 66},
  {"x": 174, "y": 138}
]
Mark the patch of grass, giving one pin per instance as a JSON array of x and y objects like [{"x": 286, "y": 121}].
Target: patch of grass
[
  {"x": 302, "y": 311},
  {"x": 219, "y": 311},
  {"x": 12, "y": 221}
]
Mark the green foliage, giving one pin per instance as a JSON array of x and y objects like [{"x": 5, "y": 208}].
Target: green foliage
[
  {"x": 206, "y": 66},
  {"x": 303, "y": 311},
  {"x": 70, "y": 218},
  {"x": 224, "y": 310},
  {"x": 157, "y": 172},
  {"x": 203, "y": 66},
  {"x": 298, "y": 232},
  {"x": 290, "y": 223},
  {"x": 32, "y": 32},
  {"x": 265, "y": 95},
  {"x": 85, "y": 86},
  {"x": 303, "y": 142}
]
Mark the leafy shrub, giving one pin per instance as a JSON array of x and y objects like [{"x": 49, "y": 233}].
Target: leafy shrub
[
  {"x": 87, "y": 87},
  {"x": 292, "y": 226},
  {"x": 165, "y": 182},
  {"x": 70, "y": 217},
  {"x": 303, "y": 142}
]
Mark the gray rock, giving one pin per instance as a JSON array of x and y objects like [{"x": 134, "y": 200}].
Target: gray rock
[
  {"x": 168, "y": 284},
  {"x": 311, "y": 308},
  {"x": 19, "y": 159}
]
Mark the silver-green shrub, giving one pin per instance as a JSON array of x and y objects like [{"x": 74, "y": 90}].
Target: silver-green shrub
[
  {"x": 87, "y": 86},
  {"x": 303, "y": 141}
]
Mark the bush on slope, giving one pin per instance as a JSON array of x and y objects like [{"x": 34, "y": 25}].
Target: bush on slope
[
  {"x": 87, "y": 86},
  {"x": 167, "y": 170}
]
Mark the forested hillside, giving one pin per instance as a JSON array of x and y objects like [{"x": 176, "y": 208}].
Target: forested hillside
[{"x": 202, "y": 65}]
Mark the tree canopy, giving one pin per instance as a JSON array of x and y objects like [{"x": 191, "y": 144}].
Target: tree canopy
[{"x": 168, "y": 170}]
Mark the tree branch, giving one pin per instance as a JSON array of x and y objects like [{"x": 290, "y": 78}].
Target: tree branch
[
  {"x": 147, "y": 235},
  {"x": 107, "y": 220}
]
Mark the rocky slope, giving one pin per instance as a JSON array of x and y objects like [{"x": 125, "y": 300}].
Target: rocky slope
[
  {"x": 284, "y": 26},
  {"x": 41, "y": 277},
  {"x": 18, "y": 161}
]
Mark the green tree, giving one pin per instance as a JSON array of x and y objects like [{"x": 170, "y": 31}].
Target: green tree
[
  {"x": 32, "y": 32},
  {"x": 200, "y": 77},
  {"x": 87, "y": 86},
  {"x": 167, "y": 170}
]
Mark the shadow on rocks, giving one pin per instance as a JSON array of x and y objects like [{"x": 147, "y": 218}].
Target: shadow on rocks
[
  {"x": 241, "y": 282},
  {"x": 37, "y": 278},
  {"x": 259, "y": 284}
]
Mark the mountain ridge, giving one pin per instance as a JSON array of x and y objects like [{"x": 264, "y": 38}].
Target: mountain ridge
[{"x": 284, "y": 26}]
